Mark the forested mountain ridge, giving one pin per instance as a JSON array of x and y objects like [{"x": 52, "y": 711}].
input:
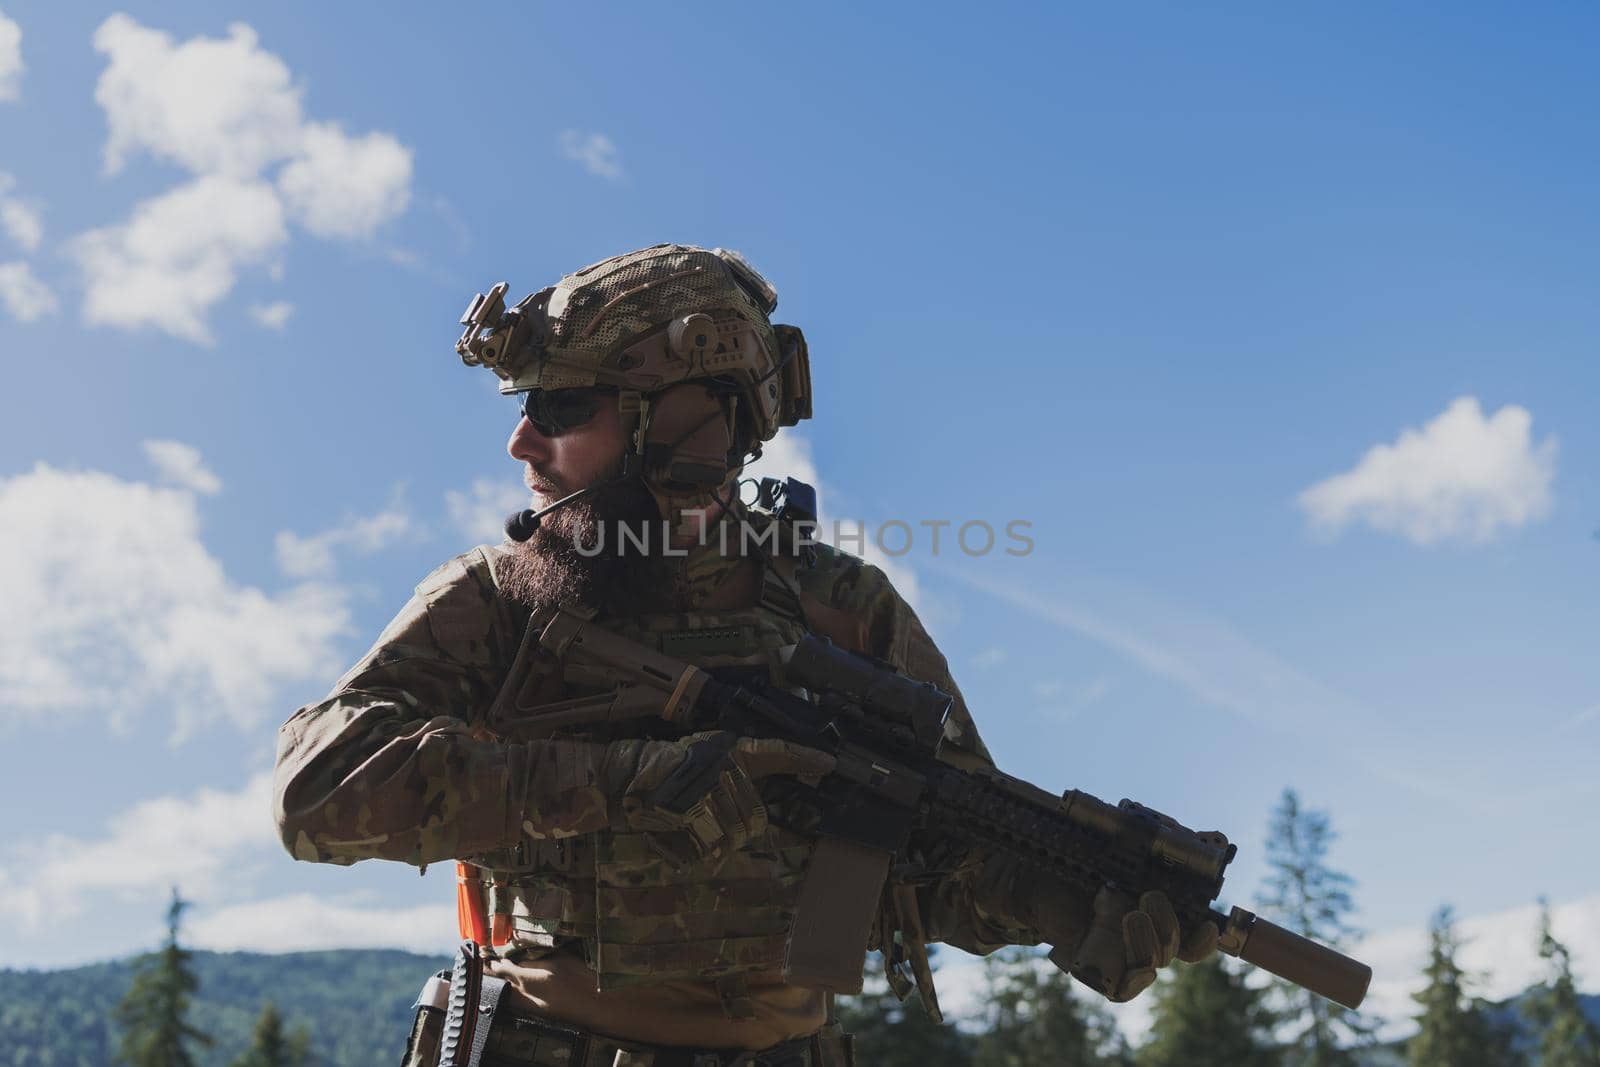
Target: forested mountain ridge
[{"x": 355, "y": 1003}]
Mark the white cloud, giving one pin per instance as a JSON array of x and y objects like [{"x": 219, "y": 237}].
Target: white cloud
[
  {"x": 1199, "y": 652},
  {"x": 10, "y": 59},
  {"x": 1500, "y": 948},
  {"x": 1079, "y": 694},
  {"x": 274, "y": 316},
  {"x": 19, "y": 219},
  {"x": 595, "y": 152},
  {"x": 1579, "y": 718},
  {"x": 21, "y": 223},
  {"x": 305, "y": 923},
  {"x": 213, "y": 106},
  {"x": 480, "y": 512},
  {"x": 226, "y": 110},
  {"x": 25, "y": 296},
  {"x": 114, "y": 605},
  {"x": 195, "y": 841},
  {"x": 179, "y": 255},
  {"x": 181, "y": 464},
  {"x": 1217, "y": 664},
  {"x": 341, "y": 186},
  {"x": 1461, "y": 477},
  {"x": 789, "y": 455},
  {"x": 309, "y": 557},
  {"x": 404, "y": 257},
  {"x": 989, "y": 657},
  {"x": 217, "y": 845}
]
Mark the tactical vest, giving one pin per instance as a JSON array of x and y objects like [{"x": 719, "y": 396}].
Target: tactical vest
[{"x": 638, "y": 906}]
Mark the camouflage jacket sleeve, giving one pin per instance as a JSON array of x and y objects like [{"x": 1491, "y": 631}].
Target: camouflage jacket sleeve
[
  {"x": 391, "y": 766},
  {"x": 988, "y": 902}
]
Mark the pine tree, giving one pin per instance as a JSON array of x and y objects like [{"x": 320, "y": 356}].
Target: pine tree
[
  {"x": 269, "y": 1047},
  {"x": 1305, "y": 895},
  {"x": 894, "y": 1033},
  {"x": 1037, "y": 1018},
  {"x": 1453, "y": 1029},
  {"x": 153, "y": 1013},
  {"x": 1206, "y": 1016},
  {"x": 1567, "y": 1038}
]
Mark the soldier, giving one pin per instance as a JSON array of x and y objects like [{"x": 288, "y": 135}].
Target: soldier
[{"x": 614, "y": 931}]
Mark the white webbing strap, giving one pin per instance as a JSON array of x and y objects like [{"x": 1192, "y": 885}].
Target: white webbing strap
[{"x": 435, "y": 993}]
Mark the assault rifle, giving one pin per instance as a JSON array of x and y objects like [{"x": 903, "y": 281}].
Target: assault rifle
[{"x": 896, "y": 800}]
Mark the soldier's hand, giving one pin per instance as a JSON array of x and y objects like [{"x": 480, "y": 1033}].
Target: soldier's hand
[
  {"x": 705, "y": 784},
  {"x": 1130, "y": 940}
]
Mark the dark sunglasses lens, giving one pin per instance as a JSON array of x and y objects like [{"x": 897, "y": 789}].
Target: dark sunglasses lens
[{"x": 560, "y": 410}]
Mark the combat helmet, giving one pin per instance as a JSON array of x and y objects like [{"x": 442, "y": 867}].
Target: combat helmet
[{"x": 683, "y": 335}]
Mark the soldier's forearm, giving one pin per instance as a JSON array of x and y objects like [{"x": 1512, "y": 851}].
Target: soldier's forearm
[{"x": 355, "y": 780}]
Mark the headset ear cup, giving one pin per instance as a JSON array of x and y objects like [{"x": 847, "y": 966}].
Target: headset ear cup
[
  {"x": 690, "y": 438},
  {"x": 796, "y": 376}
]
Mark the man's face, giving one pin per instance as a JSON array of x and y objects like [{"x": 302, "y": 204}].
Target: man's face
[
  {"x": 550, "y": 567},
  {"x": 562, "y": 463}
]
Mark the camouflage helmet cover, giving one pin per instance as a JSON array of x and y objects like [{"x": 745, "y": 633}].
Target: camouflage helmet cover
[{"x": 644, "y": 321}]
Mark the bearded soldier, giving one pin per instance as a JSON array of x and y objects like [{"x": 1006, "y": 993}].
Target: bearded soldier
[{"x": 603, "y": 927}]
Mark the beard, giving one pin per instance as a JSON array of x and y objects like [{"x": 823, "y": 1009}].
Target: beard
[{"x": 604, "y": 551}]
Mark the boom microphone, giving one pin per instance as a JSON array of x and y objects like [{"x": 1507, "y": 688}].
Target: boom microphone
[{"x": 520, "y": 525}]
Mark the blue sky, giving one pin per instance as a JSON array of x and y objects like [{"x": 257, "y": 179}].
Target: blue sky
[{"x": 1275, "y": 325}]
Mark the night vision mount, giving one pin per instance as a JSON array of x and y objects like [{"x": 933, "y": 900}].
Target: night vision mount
[{"x": 504, "y": 340}]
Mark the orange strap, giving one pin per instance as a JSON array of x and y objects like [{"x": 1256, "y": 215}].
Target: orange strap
[{"x": 472, "y": 917}]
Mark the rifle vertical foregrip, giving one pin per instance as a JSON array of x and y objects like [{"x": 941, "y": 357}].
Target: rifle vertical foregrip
[{"x": 1302, "y": 961}]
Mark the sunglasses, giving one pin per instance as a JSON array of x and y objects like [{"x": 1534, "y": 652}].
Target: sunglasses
[{"x": 555, "y": 411}]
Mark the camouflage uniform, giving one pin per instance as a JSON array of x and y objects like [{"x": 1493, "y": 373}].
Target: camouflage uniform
[
  {"x": 399, "y": 763},
  {"x": 406, "y": 759}
]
